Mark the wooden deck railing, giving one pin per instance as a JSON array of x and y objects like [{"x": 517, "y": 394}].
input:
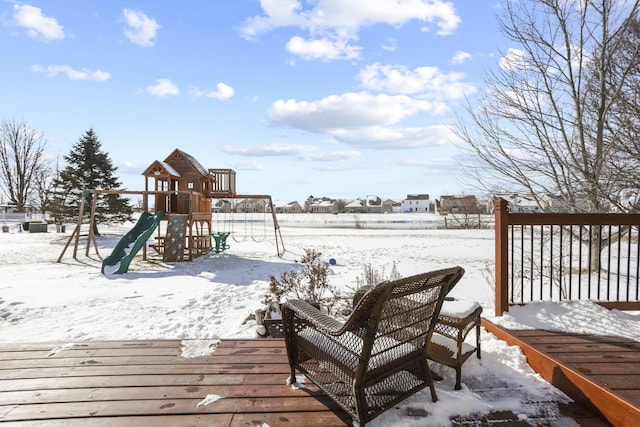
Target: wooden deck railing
[{"x": 554, "y": 257}]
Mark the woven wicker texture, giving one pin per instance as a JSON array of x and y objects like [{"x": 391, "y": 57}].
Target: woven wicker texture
[{"x": 378, "y": 356}]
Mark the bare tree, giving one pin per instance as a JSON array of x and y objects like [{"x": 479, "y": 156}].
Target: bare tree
[
  {"x": 626, "y": 120},
  {"x": 544, "y": 127},
  {"x": 21, "y": 160},
  {"x": 43, "y": 188}
]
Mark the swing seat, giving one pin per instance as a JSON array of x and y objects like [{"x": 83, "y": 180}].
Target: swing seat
[{"x": 221, "y": 241}]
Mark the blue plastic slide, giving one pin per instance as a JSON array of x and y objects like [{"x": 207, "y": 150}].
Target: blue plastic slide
[{"x": 131, "y": 243}]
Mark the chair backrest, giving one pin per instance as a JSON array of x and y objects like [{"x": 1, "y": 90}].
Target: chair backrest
[{"x": 400, "y": 315}]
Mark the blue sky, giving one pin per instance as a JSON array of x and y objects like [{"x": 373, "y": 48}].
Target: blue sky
[{"x": 301, "y": 97}]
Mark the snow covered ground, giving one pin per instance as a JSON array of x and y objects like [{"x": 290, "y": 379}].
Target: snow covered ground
[{"x": 213, "y": 296}]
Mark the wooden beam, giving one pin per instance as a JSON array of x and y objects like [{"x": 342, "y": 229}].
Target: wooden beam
[{"x": 502, "y": 256}]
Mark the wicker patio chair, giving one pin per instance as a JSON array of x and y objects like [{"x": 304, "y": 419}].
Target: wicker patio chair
[{"x": 376, "y": 358}]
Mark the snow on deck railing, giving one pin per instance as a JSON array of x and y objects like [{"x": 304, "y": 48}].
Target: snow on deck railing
[{"x": 555, "y": 257}]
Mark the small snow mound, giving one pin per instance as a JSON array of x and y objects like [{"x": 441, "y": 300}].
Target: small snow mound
[
  {"x": 209, "y": 398},
  {"x": 299, "y": 384},
  {"x": 57, "y": 349},
  {"x": 198, "y": 348}
]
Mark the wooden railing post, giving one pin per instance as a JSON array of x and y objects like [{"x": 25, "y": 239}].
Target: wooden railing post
[{"x": 502, "y": 256}]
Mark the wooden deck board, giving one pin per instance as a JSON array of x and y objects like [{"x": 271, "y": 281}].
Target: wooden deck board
[
  {"x": 120, "y": 383},
  {"x": 149, "y": 383},
  {"x": 602, "y": 371}
]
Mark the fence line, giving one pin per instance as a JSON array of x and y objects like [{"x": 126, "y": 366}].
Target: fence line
[{"x": 20, "y": 217}]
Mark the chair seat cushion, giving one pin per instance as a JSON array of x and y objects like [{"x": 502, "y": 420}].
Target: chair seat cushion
[{"x": 348, "y": 346}]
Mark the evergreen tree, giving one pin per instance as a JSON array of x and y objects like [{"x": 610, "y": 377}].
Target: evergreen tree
[{"x": 88, "y": 167}]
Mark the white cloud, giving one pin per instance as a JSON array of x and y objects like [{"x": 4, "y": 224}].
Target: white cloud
[
  {"x": 330, "y": 20},
  {"x": 324, "y": 49},
  {"x": 330, "y": 156},
  {"x": 396, "y": 137},
  {"x": 389, "y": 45},
  {"x": 140, "y": 30},
  {"x": 72, "y": 74},
  {"x": 302, "y": 152},
  {"x": 247, "y": 165},
  {"x": 162, "y": 88},
  {"x": 460, "y": 57},
  {"x": 267, "y": 150},
  {"x": 223, "y": 91},
  {"x": 282, "y": 13},
  {"x": 351, "y": 15},
  {"x": 362, "y": 119},
  {"x": 512, "y": 60},
  {"x": 37, "y": 25},
  {"x": 349, "y": 110},
  {"x": 426, "y": 81}
]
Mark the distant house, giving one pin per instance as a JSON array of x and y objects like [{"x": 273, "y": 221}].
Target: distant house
[
  {"x": 250, "y": 205},
  {"x": 391, "y": 206},
  {"x": 524, "y": 206},
  {"x": 517, "y": 203},
  {"x": 356, "y": 206},
  {"x": 290, "y": 207},
  {"x": 417, "y": 203},
  {"x": 373, "y": 204},
  {"x": 321, "y": 205},
  {"x": 221, "y": 206},
  {"x": 459, "y": 205},
  {"x": 551, "y": 203}
]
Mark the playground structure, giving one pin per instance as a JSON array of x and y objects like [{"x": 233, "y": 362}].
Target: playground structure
[{"x": 178, "y": 195}]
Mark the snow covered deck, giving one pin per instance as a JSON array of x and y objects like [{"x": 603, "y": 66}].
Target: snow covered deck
[{"x": 151, "y": 383}]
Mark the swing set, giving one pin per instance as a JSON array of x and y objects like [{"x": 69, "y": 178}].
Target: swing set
[{"x": 248, "y": 219}]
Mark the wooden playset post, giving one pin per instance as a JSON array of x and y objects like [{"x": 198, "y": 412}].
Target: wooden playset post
[
  {"x": 92, "y": 223},
  {"x": 75, "y": 236}
]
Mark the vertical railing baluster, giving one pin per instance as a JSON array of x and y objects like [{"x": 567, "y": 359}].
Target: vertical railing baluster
[
  {"x": 531, "y": 266},
  {"x": 541, "y": 259},
  {"x": 570, "y": 258},
  {"x": 599, "y": 264},
  {"x": 551, "y": 264},
  {"x": 609, "y": 264},
  {"x": 513, "y": 266},
  {"x": 629, "y": 261},
  {"x": 522, "y": 264},
  {"x": 589, "y": 261},
  {"x": 560, "y": 268},
  {"x": 580, "y": 263},
  {"x": 619, "y": 255},
  {"x": 638, "y": 264}
]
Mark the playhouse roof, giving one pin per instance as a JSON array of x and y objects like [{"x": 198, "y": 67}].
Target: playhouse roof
[
  {"x": 188, "y": 157},
  {"x": 165, "y": 167}
]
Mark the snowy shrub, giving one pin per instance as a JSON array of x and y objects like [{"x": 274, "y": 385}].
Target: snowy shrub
[{"x": 307, "y": 282}]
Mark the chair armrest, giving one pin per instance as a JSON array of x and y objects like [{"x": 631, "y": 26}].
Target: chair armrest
[{"x": 313, "y": 316}]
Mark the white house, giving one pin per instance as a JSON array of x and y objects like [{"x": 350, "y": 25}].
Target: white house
[{"x": 417, "y": 203}]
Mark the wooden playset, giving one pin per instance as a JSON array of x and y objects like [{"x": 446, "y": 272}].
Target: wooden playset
[{"x": 183, "y": 190}]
